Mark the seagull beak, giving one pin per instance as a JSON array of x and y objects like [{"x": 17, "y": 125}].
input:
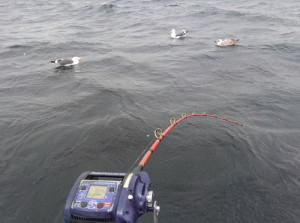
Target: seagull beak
[{"x": 80, "y": 58}]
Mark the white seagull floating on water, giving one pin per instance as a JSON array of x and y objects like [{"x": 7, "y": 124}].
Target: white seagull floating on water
[
  {"x": 67, "y": 62},
  {"x": 226, "y": 42},
  {"x": 179, "y": 35}
]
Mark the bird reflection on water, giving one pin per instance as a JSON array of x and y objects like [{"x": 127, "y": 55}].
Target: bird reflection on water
[{"x": 64, "y": 70}]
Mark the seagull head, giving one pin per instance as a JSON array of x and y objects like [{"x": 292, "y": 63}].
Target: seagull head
[
  {"x": 172, "y": 31},
  {"x": 76, "y": 58}
]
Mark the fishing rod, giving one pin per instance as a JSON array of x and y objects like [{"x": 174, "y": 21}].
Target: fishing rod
[
  {"x": 118, "y": 197},
  {"x": 160, "y": 135}
]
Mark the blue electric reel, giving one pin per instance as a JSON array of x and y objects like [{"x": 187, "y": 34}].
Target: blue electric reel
[{"x": 110, "y": 197}]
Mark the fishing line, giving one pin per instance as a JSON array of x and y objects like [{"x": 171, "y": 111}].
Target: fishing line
[{"x": 143, "y": 153}]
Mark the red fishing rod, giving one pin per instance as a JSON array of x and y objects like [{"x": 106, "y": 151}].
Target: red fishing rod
[{"x": 160, "y": 135}]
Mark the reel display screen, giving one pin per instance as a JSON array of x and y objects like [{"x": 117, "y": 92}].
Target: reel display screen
[{"x": 96, "y": 192}]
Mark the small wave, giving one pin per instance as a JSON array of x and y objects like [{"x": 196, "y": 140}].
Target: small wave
[
  {"x": 263, "y": 71},
  {"x": 212, "y": 11},
  {"x": 19, "y": 46},
  {"x": 281, "y": 47},
  {"x": 88, "y": 7},
  {"x": 14, "y": 51},
  {"x": 206, "y": 11},
  {"x": 27, "y": 46},
  {"x": 107, "y": 7}
]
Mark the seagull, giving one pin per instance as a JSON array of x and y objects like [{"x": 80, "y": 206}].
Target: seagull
[
  {"x": 67, "y": 62},
  {"x": 179, "y": 35},
  {"x": 226, "y": 42}
]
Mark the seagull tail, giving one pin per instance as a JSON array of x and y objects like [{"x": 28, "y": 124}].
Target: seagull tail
[{"x": 52, "y": 61}]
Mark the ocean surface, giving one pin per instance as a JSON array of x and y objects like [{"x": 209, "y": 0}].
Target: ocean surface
[{"x": 99, "y": 115}]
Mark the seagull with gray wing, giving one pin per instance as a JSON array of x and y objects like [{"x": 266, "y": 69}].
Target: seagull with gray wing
[
  {"x": 67, "y": 62},
  {"x": 175, "y": 35}
]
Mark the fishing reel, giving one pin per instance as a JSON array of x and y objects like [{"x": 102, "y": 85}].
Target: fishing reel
[{"x": 110, "y": 197}]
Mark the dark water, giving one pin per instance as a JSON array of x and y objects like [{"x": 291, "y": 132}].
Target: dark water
[{"x": 100, "y": 115}]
